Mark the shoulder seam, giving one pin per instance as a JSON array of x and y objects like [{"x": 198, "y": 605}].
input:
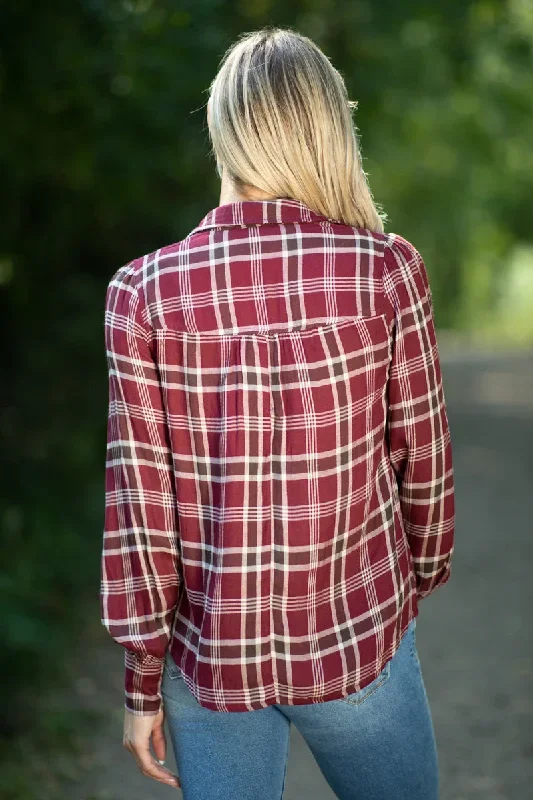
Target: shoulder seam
[{"x": 134, "y": 270}]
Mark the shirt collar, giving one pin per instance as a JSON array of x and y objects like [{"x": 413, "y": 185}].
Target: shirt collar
[{"x": 258, "y": 212}]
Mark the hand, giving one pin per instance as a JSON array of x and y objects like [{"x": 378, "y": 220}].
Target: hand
[{"x": 137, "y": 732}]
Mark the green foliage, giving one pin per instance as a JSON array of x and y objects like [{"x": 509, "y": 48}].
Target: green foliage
[{"x": 104, "y": 157}]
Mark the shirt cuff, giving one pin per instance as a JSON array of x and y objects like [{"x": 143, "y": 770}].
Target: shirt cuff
[
  {"x": 426, "y": 586},
  {"x": 142, "y": 683}
]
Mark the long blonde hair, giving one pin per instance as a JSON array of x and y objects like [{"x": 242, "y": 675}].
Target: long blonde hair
[{"x": 281, "y": 121}]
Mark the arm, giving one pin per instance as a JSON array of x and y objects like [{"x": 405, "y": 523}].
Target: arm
[
  {"x": 139, "y": 565},
  {"x": 419, "y": 436}
]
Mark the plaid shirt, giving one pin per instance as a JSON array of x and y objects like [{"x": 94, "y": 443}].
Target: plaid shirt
[{"x": 279, "y": 482}]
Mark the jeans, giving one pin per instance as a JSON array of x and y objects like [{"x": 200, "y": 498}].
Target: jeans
[{"x": 376, "y": 744}]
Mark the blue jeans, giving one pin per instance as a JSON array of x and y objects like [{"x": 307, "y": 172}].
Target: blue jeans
[{"x": 376, "y": 744}]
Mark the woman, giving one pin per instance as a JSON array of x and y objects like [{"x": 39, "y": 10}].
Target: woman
[{"x": 279, "y": 483}]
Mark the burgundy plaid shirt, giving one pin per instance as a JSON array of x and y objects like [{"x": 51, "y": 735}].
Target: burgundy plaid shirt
[{"x": 279, "y": 481}]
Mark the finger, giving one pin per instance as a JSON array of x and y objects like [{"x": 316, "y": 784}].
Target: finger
[
  {"x": 152, "y": 769},
  {"x": 159, "y": 742}
]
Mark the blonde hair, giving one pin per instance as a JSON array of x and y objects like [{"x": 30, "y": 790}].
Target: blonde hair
[{"x": 281, "y": 121}]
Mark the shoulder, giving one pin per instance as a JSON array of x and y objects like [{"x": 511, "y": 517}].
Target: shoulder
[
  {"x": 139, "y": 272},
  {"x": 122, "y": 305},
  {"x": 126, "y": 278},
  {"x": 405, "y": 279},
  {"x": 400, "y": 251},
  {"x": 135, "y": 283}
]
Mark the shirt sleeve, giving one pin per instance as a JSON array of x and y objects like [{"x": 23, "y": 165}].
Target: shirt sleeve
[
  {"x": 139, "y": 564},
  {"x": 418, "y": 430}
]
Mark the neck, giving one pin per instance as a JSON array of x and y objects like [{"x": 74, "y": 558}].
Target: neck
[{"x": 229, "y": 193}]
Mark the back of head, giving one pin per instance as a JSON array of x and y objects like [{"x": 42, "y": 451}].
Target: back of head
[{"x": 281, "y": 121}]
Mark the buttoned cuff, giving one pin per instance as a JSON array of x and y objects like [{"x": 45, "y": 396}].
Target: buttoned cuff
[
  {"x": 426, "y": 586},
  {"x": 142, "y": 683}
]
